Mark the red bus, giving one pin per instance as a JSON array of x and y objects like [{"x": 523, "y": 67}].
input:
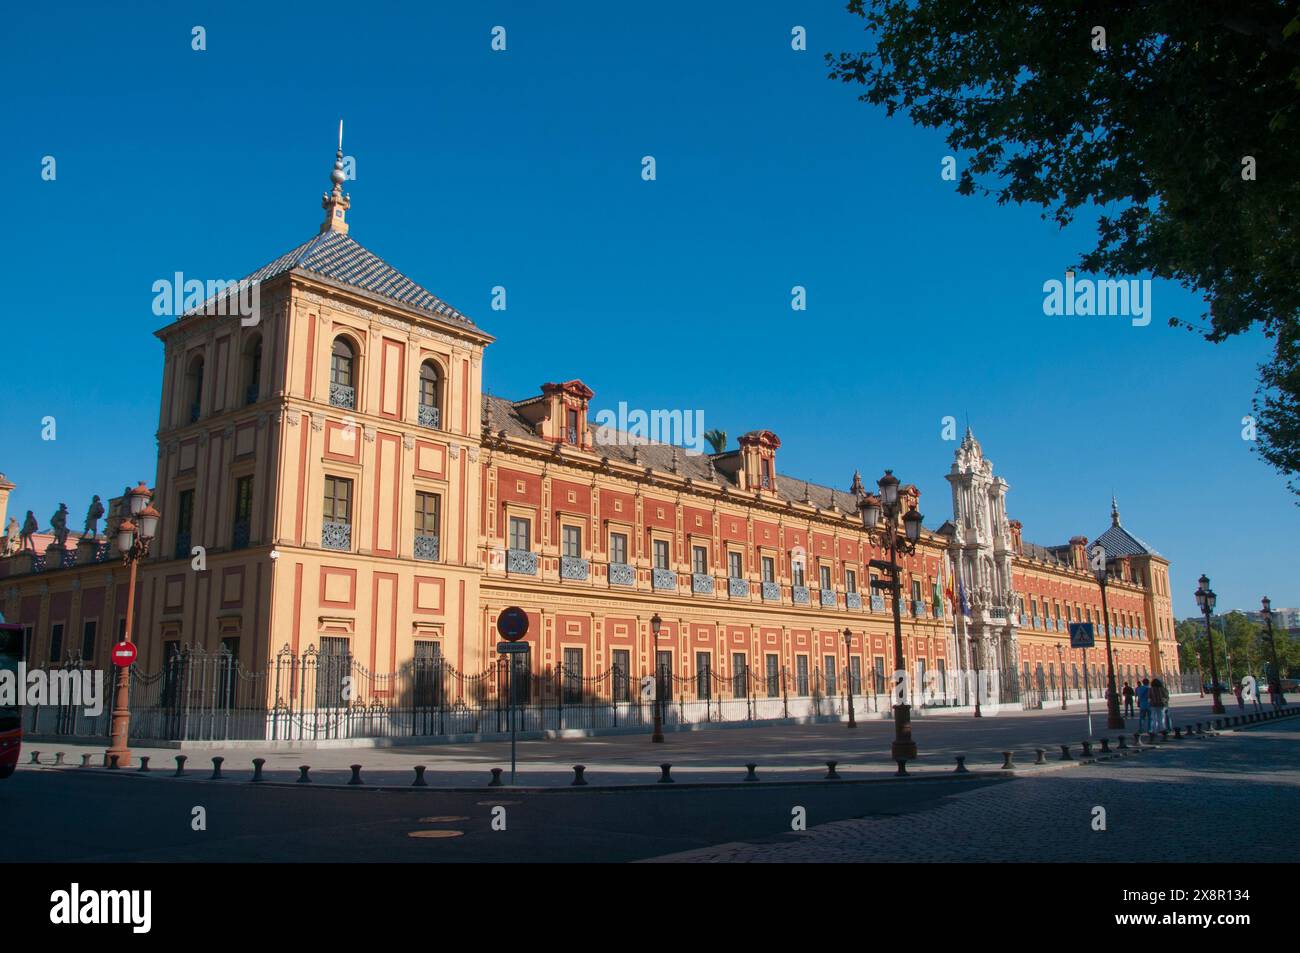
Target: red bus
[{"x": 11, "y": 723}]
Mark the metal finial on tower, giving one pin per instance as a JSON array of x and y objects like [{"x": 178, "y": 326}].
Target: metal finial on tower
[
  {"x": 1114, "y": 511},
  {"x": 336, "y": 202}
]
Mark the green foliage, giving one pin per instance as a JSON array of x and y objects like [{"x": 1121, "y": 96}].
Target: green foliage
[
  {"x": 717, "y": 440},
  {"x": 1149, "y": 134}
]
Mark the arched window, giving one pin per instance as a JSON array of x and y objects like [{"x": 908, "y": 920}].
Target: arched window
[
  {"x": 343, "y": 374},
  {"x": 194, "y": 388},
  {"x": 430, "y": 404},
  {"x": 253, "y": 370}
]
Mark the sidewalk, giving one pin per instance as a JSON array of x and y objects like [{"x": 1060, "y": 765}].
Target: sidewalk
[{"x": 782, "y": 753}]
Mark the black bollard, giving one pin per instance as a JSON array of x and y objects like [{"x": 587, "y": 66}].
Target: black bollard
[
  {"x": 144, "y": 762},
  {"x": 303, "y": 776},
  {"x": 1123, "y": 744},
  {"x": 1178, "y": 734},
  {"x": 665, "y": 776},
  {"x": 1087, "y": 749},
  {"x": 356, "y": 774},
  {"x": 961, "y": 765},
  {"x": 419, "y": 781},
  {"x": 831, "y": 774},
  {"x": 902, "y": 768},
  {"x": 1039, "y": 756},
  {"x": 180, "y": 765},
  {"x": 1105, "y": 746},
  {"x": 1006, "y": 761},
  {"x": 216, "y": 768},
  {"x": 58, "y": 757},
  {"x": 1137, "y": 739},
  {"x": 578, "y": 779},
  {"x": 1065, "y": 753},
  {"x": 749, "y": 772},
  {"x": 36, "y": 757},
  {"x": 496, "y": 778},
  {"x": 113, "y": 764},
  {"x": 85, "y": 760},
  {"x": 257, "y": 768}
]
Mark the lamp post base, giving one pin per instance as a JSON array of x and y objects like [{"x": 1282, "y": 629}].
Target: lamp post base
[{"x": 903, "y": 748}]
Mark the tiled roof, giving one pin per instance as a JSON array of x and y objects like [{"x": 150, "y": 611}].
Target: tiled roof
[
  {"x": 502, "y": 415},
  {"x": 335, "y": 256},
  {"x": 1117, "y": 541},
  {"x": 1034, "y": 551}
]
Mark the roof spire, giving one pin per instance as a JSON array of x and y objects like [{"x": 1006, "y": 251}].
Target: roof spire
[
  {"x": 336, "y": 202},
  {"x": 1114, "y": 511}
]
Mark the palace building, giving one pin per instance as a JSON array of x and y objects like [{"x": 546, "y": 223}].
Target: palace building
[{"x": 333, "y": 477}]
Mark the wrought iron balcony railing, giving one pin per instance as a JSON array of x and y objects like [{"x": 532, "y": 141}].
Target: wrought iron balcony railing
[
  {"x": 827, "y": 598},
  {"x": 343, "y": 396},
  {"x": 771, "y": 592},
  {"x": 799, "y": 594},
  {"x": 621, "y": 574},
  {"x": 853, "y": 600},
  {"x": 240, "y": 534},
  {"x": 664, "y": 579},
  {"x": 426, "y": 547},
  {"x": 430, "y": 416},
  {"x": 701, "y": 584},
  {"x": 182, "y": 546},
  {"x": 335, "y": 535},
  {"x": 737, "y": 588},
  {"x": 521, "y": 561},
  {"x": 574, "y": 567}
]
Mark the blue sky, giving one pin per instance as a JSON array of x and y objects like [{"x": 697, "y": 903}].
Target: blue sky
[{"x": 523, "y": 169}]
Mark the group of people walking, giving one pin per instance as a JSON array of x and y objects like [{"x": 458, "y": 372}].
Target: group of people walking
[{"x": 1152, "y": 696}]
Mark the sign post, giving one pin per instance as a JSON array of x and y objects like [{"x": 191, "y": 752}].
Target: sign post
[
  {"x": 512, "y": 625},
  {"x": 1081, "y": 637}
]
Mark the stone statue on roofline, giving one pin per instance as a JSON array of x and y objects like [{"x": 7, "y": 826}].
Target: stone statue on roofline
[
  {"x": 93, "y": 515},
  {"x": 59, "y": 525},
  {"x": 12, "y": 532},
  {"x": 30, "y": 529}
]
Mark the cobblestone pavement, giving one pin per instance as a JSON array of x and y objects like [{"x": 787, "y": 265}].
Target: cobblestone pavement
[
  {"x": 782, "y": 752},
  {"x": 1231, "y": 797}
]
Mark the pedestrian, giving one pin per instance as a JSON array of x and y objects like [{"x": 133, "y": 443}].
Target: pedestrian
[
  {"x": 1128, "y": 699},
  {"x": 1159, "y": 699},
  {"x": 1144, "y": 705},
  {"x": 1241, "y": 704}
]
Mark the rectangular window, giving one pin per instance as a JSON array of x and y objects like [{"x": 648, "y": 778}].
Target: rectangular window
[
  {"x": 734, "y": 565},
  {"x": 521, "y": 533},
  {"x": 855, "y": 674},
  {"x": 184, "y": 523},
  {"x": 703, "y": 675},
  {"x": 825, "y": 573},
  {"x": 427, "y": 672},
  {"x": 916, "y": 590},
  {"x": 573, "y": 541},
  {"x": 571, "y": 432},
  {"x": 618, "y": 547},
  {"x": 661, "y": 554},
  {"x": 943, "y": 676},
  {"x": 428, "y": 513},
  {"x": 796, "y": 572},
  {"x": 338, "y": 500},
  {"x": 664, "y": 668},
  {"x": 572, "y": 676},
  {"x": 773, "y": 676},
  {"x": 769, "y": 569},
  {"x": 829, "y": 667},
  {"x": 622, "y": 673},
  {"x": 801, "y": 675},
  {"x": 850, "y": 580},
  {"x": 56, "y": 643},
  {"x": 880, "y": 674},
  {"x": 227, "y": 673},
  {"x": 332, "y": 666},
  {"x": 739, "y": 675},
  {"x": 89, "y": 629},
  {"x": 243, "y": 512},
  {"x": 700, "y": 560}
]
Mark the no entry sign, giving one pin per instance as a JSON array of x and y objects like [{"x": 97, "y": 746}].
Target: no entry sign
[
  {"x": 512, "y": 623},
  {"x": 123, "y": 654}
]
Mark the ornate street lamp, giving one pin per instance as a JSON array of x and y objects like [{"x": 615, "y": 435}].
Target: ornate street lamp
[
  {"x": 848, "y": 672},
  {"x": 1060, "y": 657},
  {"x": 1205, "y": 599},
  {"x": 133, "y": 541},
  {"x": 1113, "y": 718},
  {"x": 1274, "y": 676},
  {"x": 887, "y": 504},
  {"x": 975, "y": 651},
  {"x": 655, "y": 624}
]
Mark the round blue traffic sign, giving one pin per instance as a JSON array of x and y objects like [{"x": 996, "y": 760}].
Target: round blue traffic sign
[{"x": 513, "y": 624}]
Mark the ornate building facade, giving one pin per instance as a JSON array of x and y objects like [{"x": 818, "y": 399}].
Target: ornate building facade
[{"x": 333, "y": 476}]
